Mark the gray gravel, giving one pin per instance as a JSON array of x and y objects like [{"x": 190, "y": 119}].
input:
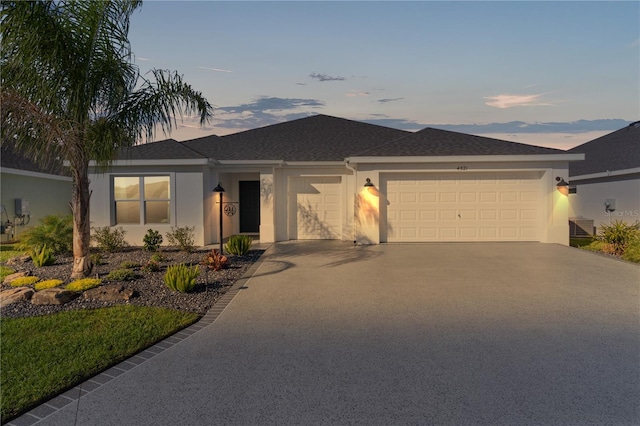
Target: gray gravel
[{"x": 149, "y": 287}]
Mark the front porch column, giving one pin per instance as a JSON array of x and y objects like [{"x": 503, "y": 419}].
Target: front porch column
[{"x": 267, "y": 205}]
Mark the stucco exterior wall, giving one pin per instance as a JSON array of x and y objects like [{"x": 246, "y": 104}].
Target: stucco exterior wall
[{"x": 47, "y": 195}]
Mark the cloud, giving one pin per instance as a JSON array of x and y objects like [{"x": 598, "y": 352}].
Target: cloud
[
  {"x": 384, "y": 101},
  {"x": 301, "y": 84},
  {"x": 214, "y": 69},
  {"x": 138, "y": 58},
  {"x": 325, "y": 77},
  {"x": 353, "y": 93},
  {"x": 272, "y": 104},
  {"x": 510, "y": 101}
]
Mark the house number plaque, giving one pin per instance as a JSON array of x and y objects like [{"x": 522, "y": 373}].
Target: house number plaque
[{"x": 230, "y": 210}]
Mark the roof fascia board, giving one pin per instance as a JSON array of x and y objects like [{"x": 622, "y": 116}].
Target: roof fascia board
[
  {"x": 163, "y": 162},
  {"x": 36, "y": 174},
  {"x": 606, "y": 174},
  {"x": 468, "y": 158}
]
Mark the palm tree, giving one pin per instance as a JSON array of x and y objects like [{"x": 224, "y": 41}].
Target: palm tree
[{"x": 70, "y": 91}]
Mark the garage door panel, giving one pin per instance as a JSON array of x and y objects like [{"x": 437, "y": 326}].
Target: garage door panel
[
  {"x": 316, "y": 208},
  {"x": 478, "y": 207}
]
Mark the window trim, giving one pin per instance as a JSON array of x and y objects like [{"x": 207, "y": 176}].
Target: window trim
[{"x": 141, "y": 200}]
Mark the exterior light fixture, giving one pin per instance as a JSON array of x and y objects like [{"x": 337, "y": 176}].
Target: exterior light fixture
[
  {"x": 368, "y": 184},
  {"x": 219, "y": 189},
  {"x": 562, "y": 186}
]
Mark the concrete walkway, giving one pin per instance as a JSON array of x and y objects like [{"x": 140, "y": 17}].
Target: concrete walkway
[{"x": 326, "y": 333}]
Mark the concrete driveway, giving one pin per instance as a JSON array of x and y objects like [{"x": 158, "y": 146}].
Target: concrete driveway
[{"x": 326, "y": 333}]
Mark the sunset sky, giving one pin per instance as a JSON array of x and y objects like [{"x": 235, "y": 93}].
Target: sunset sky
[{"x": 548, "y": 73}]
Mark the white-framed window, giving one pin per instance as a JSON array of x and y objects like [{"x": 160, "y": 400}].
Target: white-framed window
[{"x": 141, "y": 199}]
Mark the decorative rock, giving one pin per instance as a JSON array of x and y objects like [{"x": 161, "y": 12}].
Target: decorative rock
[
  {"x": 13, "y": 295},
  {"x": 12, "y": 277},
  {"x": 18, "y": 260},
  {"x": 109, "y": 293},
  {"x": 53, "y": 296}
]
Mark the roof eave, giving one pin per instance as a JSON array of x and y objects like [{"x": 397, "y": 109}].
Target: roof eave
[
  {"x": 156, "y": 162},
  {"x": 468, "y": 158},
  {"x": 608, "y": 173}
]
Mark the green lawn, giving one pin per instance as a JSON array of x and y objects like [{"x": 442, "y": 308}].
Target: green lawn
[
  {"x": 7, "y": 251},
  {"x": 43, "y": 356}
]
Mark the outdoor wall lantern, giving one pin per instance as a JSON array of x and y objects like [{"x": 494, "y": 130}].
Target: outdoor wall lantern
[
  {"x": 219, "y": 189},
  {"x": 368, "y": 184},
  {"x": 562, "y": 186}
]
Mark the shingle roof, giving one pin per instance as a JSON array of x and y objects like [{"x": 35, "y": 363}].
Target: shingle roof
[
  {"x": 436, "y": 142},
  {"x": 315, "y": 138},
  {"x": 11, "y": 159},
  {"x": 619, "y": 150},
  {"x": 168, "y": 149}
]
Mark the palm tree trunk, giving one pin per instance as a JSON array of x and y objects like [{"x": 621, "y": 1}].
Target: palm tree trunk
[{"x": 82, "y": 265}]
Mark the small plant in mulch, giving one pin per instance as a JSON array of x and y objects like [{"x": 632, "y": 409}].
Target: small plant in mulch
[
  {"x": 151, "y": 266},
  {"x": 48, "y": 284},
  {"x": 122, "y": 274},
  {"x": 152, "y": 240},
  {"x": 129, "y": 264},
  {"x": 83, "y": 284},
  {"x": 24, "y": 281},
  {"x": 181, "y": 278},
  {"x": 214, "y": 260}
]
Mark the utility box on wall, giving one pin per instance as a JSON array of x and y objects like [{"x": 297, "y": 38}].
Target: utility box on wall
[{"x": 22, "y": 207}]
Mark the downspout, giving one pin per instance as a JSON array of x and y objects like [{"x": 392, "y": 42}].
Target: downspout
[{"x": 355, "y": 197}]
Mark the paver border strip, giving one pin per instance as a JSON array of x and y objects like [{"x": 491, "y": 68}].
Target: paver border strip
[{"x": 93, "y": 383}]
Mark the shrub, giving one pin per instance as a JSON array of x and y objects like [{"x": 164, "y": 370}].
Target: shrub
[
  {"x": 23, "y": 281},
  {"x": 4, "y": 271},
  {"x": 129, "y": 264},
  {"x": 151, "y": 266},
  {"x": 214, "y": 260},
  {"x": 239, "y": 244},
  {"x": 152, "y": 240},
  {"x": 618, "y": 236},
  {"x": 83, "y": 284},
  {"x": 157, "y": 257},
  {"x": 56, "y": 232},
  {"x": 632, "y": 253},
  {"x": 121, "y": 275},
  {"x": 109, "y": 239},
  {"x": 42, "y": 256},
  {"x": 96, "y": 258},
  {"x": 182, "y": 237},
  {"x": 48, "y": 284},
  {"x": 181, "y": 278}
]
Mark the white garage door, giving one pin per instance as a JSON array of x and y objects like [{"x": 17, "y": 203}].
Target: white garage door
[
  {"x": 463, "y": 207},
  {"x": 315, "y": 208}
]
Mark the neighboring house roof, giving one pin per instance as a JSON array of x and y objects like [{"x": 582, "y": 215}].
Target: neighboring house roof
[
  {"x": 168, "y": 149},
  {"x": 619, "y": 150},
  {"x": 12, "y": 159},
  {"x": 316, "y": 138},
  {"x": 436, "y": 142}
]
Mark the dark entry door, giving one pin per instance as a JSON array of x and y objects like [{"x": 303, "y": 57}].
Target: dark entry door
[{"x": 249, "y": 206}]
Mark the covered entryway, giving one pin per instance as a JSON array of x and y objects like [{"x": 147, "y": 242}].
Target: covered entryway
[
  {"x": 500, "y": 206},
  {"x": 315, "y": 206},
  {"x": 249, "y": 206}
]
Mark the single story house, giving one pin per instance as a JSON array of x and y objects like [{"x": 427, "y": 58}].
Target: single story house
[
  {"x": 606, "y": 185},
  {"x": 30, "y": 192},
  {"x": 324, "y": 177}
]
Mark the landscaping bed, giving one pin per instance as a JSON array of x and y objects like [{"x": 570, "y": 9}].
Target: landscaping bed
[{"x": 148, "y": 286}]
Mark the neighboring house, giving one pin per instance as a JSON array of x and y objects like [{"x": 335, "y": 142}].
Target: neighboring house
[
  {"x": 305, "y": 179},
  {"x": 607, "y": 183},
  {"x": 30, "y": 192}
]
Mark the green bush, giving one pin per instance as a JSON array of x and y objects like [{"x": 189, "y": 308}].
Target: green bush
[
  {"x": 23, "y": 281},
  {"x": 632, "y": 253},
  {"x": 123, "y": 274},
  {"x": 109, "y": 239},
  {"x": 48, "y": 284},
  {"x": 96, "y": 259},
  {"x": 239, "y": 244},
  {"x": 214, "y": 260},
  {"x": 56, "y": 232},
  {"x": 83, "y": 284},
  {"x": 157, "y": 257},
  {"x": 181, "y": 278},
  {"x": 151, "y": 266},
  {"x": 617, "y": 236},
  {"x": 42, "y": 256},
  {"x": 152, "y": 240},
  {"x": 129, "y": 264},
  {"x": 182, "y": 237}
]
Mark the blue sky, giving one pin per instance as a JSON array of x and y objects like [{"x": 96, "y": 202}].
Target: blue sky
[{"x": 549, "y": 73}]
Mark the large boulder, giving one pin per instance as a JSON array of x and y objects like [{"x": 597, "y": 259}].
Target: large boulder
[
  {"x": 18, "y": 260},
  {"x": 108, "y": 293},
  {"x": 13, "y": 295},
  {"x": 53, "y": 296},
  {"x": 9, "y": 278}
]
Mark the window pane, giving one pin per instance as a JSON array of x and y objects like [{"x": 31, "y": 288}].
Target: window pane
[
  {"x": 126, "y": 188},
  {"x": 156, "y": 212},
  {"x": 127, "y": 212},
  {"x": 156, "y": 187}
]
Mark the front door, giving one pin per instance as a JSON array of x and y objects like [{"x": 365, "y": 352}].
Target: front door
[{"x": 249, "y": 206}]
